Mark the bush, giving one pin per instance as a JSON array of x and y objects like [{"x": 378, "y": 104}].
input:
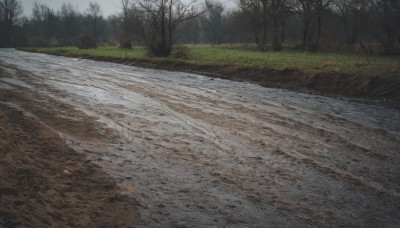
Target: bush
[
  {"x": 125, "y": 43},
  {"x": 86, "y": 42},
  {"x": 37, "y": 41},
  {"x": 181, "y": 52}
]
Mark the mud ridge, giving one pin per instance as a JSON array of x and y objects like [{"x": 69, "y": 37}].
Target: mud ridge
[{"x": 44, "y": 183}]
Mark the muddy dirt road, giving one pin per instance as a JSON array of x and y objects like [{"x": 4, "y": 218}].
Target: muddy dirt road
[{"x": 196, "y": 151}]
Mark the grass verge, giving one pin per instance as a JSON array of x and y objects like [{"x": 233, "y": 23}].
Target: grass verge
[{"x": 382, "y": 66}]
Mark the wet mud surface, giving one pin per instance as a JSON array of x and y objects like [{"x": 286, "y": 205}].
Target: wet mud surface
[
  {"x": 196, "y": 151},
  {"x": 43, "y": 183}
]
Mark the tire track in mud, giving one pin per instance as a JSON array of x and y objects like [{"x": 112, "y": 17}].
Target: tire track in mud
[
  {"x": 321, "y": 137},
  {"x": 296, "y": 158},
  {"x": 200, "y": 152},
  {"x": 47, "y": 183}
]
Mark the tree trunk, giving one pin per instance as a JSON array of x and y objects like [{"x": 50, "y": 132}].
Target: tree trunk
[
  {"x": 276, "y": 46},
  {"x": 319, "y": 26},
  {"x": 319, "y": 9},
  {"x": 94, "y": 28},
  {"x": 264, "y": 26},
  {"x": 305, "y": 33},
  {"x": 354, "y": 34},
  {"x": 170, "y": 27},
  {"x": 283, "y": 27},
  {"x": 310, "y": 36},
  {"x": 162, "y": 23},
  {"x": 256, "y": 38}
]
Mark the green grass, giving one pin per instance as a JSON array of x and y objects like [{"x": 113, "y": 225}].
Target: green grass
[
  {"x": 307, "y": 62},
  {"x": 113, "y": 52},
  {"x": 230, "y": 55}
]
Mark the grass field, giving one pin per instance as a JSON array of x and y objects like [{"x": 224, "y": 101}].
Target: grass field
[{"x": 231, "y": 55}]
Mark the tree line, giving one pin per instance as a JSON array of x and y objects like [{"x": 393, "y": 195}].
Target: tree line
[{"x": 368, "y": 26}]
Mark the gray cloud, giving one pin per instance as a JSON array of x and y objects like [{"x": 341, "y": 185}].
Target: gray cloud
[{"x": 108, "y": 6}]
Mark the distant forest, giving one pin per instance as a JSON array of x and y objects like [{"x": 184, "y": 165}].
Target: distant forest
[{"x": 362, "y": 26}]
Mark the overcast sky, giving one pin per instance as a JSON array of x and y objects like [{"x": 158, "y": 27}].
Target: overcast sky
[{"x": 108, "y": 6}]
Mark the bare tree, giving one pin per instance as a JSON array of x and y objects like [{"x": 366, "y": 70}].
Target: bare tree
[
  {"x": 44, "y": 19},
  {"x": 94, "y": 13},
  {"x": 346, "y": 11},
  {"x": 311, "y": 12},
  {"x": 213, "y": 21},
  {"x": 352, "y": 13},
  {"x": 321, "y": 5},
  {"x": 70, "y": 18},
  {"x": 162, "y": 18},
  {"x": 256, "y": 13},
  {"x": 132, "y": 24},
  {"x": 10, "y": 11},
  {"x": 387, "y": 14},
  {"x": 126, "y": 8},
  {"x": 280, "y": 10}
]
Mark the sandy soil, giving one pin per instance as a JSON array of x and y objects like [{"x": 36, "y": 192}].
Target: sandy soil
[
  {"x": 43, "y": 183},
  {"x": 196, "y": 151}
]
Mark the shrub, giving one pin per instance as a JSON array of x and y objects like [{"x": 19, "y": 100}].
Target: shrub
[
  {"x": 181, "y": 52},
  {"x": 125, "y": 43},
  {"x": 37, "y": 41},
  {"x": 86, "y": 42}
]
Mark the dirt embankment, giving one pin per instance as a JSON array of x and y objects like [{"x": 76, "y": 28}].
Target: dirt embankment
[
  {"x": 384, "y": 89},
  {"x": 44, "y": 183}
]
